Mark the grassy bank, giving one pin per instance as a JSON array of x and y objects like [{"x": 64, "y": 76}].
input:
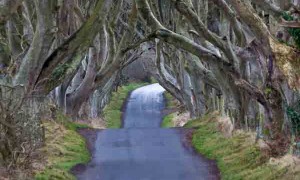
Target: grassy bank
[
  {"x": 168, "y": 121},
  {"x": 64, "y": 148},
  {"x": 238, "y": 157},
  {"x": 113, "y": 111},
  {"x": 170, "y": 104}
]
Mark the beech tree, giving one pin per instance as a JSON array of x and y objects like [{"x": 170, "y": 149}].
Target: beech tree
[
  {"x": 48, "y": 44},
  {"x": 225, "y": 55},
  {"x": 245, "y": 62}
]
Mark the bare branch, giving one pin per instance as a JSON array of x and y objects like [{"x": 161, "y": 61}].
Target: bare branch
[
  {"x": 290, "y": 24},
  {"x": 269, "y": 6}
]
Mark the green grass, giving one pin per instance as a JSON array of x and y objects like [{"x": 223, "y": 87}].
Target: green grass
[
  {"x": 64, "y": 148},
  {"x": 237, "y": 157},
  {"x": 67, "y": 123},
  {"x": 170, "y": 103},
  {"x": 113, "y": 111},
  {"x": 168, "y": 121}
]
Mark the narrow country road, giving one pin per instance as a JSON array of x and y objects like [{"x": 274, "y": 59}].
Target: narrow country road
[{"x": 141, "y": 150}]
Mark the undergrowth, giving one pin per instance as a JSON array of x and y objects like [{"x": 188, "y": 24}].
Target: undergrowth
[
  {"x": 64, "y": 148},
  {"x": 113, "y": 111},
  {"x": 237, "y": 157}
]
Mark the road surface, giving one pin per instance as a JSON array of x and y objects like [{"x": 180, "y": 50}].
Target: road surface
[{"x": 141, "y": 150}]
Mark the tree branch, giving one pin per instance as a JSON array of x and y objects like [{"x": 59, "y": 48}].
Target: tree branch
[
  {"x": 290, "y": 24},
  {"x": 77, "y": 43},
  {"x": 269, "y": 7}
]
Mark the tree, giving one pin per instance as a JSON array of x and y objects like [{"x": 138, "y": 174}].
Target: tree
[
  {"x": 247, "y": 46},
  {"x": 46, "y": 42},
  {"x": 211, "y": 55}
]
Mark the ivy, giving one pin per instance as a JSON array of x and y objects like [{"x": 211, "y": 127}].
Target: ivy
[
  {"x": 286, "y": 16},
  {"x": 294, "y": 32},
  {"x": 293, "y": 113}
]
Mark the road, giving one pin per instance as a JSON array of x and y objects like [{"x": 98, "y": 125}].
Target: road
[{"x": 141, "y": 150}]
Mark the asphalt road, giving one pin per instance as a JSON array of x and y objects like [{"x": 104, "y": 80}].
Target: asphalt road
[{"x": 141, "y": 150}]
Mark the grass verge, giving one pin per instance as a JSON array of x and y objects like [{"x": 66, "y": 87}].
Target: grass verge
[
  {"x": 64, "y": 148},
  {"x": 237, "y": 157},
  {"x": 113, "y": 111},
  {"x": 167, "y": 121}
]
